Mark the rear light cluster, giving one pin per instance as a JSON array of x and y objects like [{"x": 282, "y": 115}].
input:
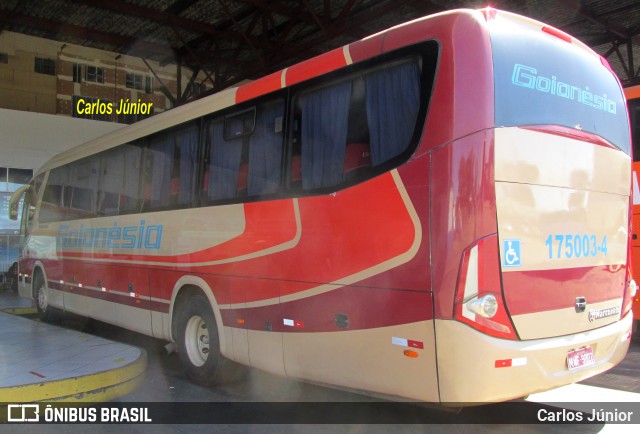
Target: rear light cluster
[
  {"x": 630, "y": 287},
  {"x": 629, "y": 293},
  {"x": 479, "y": 302}
]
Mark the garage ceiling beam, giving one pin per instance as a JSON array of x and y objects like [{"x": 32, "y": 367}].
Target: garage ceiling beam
[
  {"x": 307, "y": 49},
  {"x": 588, "y": 13},
  {"x": 122, "y": 44},
  {"x": 169, "y": 19}
]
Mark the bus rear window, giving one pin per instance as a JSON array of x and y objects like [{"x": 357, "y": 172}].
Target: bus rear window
[{"x": 542, "y": 80}]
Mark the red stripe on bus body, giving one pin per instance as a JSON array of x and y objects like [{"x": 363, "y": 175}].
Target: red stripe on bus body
[
  {"x": 316, "y": 66},
  {"x": 355, "y": 230},
  {"x": 365, "y": 49},
  {"x": 384, "y": 307},
  {"x": 544, "y": 290},
  {"x": 262, "y": 86},
  {"x": 369, "y": 225}
]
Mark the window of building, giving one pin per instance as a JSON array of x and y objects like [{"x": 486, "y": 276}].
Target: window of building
[
  {"x": 198, "y": 89},
  {"x": 4, "y": 58},
  {"x": 44, "y": 65},
  {"x": 134, "y": 81},
  {"x": 148, "y": 84},
  {"x": 95, "y": 74},
  {"x": 77, "y": 72}
]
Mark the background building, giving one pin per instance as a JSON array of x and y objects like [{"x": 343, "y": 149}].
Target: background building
[{"x": 44, "y": 85}]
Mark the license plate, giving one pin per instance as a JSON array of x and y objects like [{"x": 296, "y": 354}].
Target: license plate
[{"x": 580, "y": 357}]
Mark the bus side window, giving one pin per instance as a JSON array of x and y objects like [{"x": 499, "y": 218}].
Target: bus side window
[
  {"x": 110, "y": 183},
  {"x": 357, "y": 157},
  {"x": 52, "y": 209},
  {"x": 83, "y": 180},
  {"x": 37, "y": 184},
  {"x": 347, "y": 132},
  {"x": 223, "y": 168},
  {"x": 130, "y": 196},
  {"x": 393, "y": 103},
  {"x": 324, "y": 116},
  {"x": 187, "y": 146},
  {"x": 160, "y": 154},
  {"x": 265, "y": 150}
]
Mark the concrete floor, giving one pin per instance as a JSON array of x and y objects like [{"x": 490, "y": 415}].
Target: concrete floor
[{"x": 47, "y": 362}]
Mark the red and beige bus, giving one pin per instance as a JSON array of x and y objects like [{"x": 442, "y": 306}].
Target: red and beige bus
[
  {"x": 633, "y": 103},
  {"x": 439, "y": 212}
]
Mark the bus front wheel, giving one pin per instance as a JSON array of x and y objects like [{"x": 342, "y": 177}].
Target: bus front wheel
[
  {"x": 197, "y": 340},
  {"x": 41, "y": 297}
]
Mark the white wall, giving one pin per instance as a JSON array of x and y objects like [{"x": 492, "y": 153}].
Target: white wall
[{"x": 28, "y": 140}]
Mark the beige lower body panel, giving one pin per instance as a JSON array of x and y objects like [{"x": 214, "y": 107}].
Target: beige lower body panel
[
  {"x": 129, "y": 317},
  {"x": 467, "y": 361},
  {"x": 547, "y": 323},
  {"x": 265, "y": 351},
  {"x": 367, "y": 360}
]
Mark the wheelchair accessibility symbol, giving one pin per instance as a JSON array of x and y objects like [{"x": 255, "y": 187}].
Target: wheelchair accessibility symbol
[{"x": 511, "y": 253}]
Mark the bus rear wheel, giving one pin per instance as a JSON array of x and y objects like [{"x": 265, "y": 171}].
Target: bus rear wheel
[{"x": 198, "y": 342}]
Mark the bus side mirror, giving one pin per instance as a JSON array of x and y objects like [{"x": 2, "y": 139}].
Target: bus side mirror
[{"x": 14, "y": 202}]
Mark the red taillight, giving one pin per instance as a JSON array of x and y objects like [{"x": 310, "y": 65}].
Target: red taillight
[
  {"x": 630, "y": 289},
  {"x": 627, "y": 301},
  {"x": 479, "y": 302},
  {"x": 630, "y": 286}
]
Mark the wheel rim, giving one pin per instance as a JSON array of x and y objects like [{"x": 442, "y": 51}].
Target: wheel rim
[
  {"x": 42, "y": 299},
  {"x": 197, "y": 340}
]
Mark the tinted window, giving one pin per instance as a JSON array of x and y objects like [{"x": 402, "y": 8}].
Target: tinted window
[
  {"x": 543, "y": 80},
  {"x": 83, "y": 188},
  {"x": 52, "y": 208},
  {"x": 244, "y": 153},
  {"x": 131, "y": 195},
  {"x": 172, "y": 168},
  {"x": 349, "y": 131},
  {"x": 111, "y": 182}
]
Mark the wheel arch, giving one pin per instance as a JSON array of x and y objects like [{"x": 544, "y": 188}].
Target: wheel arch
[
  {"x": 190, "y": 284},
  {"x": 38, "y": 267}
]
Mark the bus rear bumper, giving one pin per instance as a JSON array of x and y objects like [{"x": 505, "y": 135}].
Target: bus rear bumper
[{"x": 475, "y": 368}]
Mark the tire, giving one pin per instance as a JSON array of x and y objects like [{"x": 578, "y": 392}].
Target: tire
[
  {"x": 41, "y": 297},
  {"x": 198, "y": 343}
]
